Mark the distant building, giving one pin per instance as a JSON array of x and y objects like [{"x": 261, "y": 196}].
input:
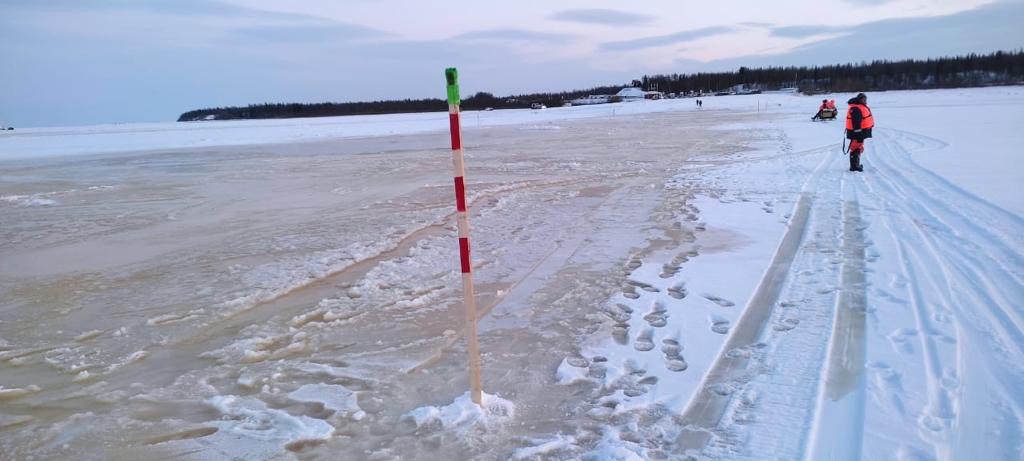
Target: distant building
[
  {"x": 654, "y": 95},
  {"x": 630, "y": 94},
  {"x": 744, "y": 88},
  {"x": 592, "y": 99}
]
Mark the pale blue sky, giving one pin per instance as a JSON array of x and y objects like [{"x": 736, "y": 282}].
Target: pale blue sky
[{"x": 71, "y": 62}]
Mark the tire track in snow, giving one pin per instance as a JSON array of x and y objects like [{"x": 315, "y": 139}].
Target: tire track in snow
[
  {"x": 837, "y": 431},
  {"x": 775, "y": 408},
  {"x": 704, "y": 414},
  {"x": 999, "y": 291},
  {"x": 995, "y": 231},
  {"x": 931, "y": 233},
  {"x": 945, "y": 258}
]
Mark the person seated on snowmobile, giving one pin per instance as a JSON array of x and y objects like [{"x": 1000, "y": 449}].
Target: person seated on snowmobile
[
  {"x": 822, "y": 107},
  {"x": 831, "y": 104}
]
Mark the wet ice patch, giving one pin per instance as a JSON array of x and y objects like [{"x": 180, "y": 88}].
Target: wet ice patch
[
  {"x": 270, "y": 281},
  {"x": 463, "y": 414},
  {"x": 544, "y": 448},
  {"x": 132, "y": 358},
  {"x": 249, "y": 418},
  {"x": 17, "y": 392},
  {"x": 337, "y": 398},
  {"x": 27, "y": 200},
  {"x": 13, "y": 420}
]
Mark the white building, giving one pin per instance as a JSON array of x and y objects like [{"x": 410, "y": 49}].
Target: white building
[
  {"x": 592, "y": 99},
  {"x": 630, "y": 94}
]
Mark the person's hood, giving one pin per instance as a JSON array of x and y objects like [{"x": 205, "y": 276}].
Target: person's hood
[{"x": 853, "y": 100}]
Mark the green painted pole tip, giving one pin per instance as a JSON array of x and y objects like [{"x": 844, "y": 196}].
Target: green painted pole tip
[{"x": 452, "y": 76}]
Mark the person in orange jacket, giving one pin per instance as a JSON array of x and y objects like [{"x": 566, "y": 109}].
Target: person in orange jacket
[
  {"x": 859, "y": 123},
  {"x": 823, "y": 106},
  {"x": 831, "y": 104}
]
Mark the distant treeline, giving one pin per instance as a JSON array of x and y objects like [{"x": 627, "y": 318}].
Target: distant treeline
[
  {"x": 478, "y": 101},
  {"x": 961, "y": 71}
]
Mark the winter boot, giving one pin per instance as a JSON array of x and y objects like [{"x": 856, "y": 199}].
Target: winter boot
[{"x": 855, "y": 160}]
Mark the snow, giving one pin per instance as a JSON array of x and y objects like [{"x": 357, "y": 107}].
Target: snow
[
  {"x": 130, "y": 137},
  {"x": 463, "y": 414},
  {"x": 655, "y": 281}
]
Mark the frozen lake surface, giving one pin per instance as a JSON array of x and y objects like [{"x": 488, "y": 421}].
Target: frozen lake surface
[{"x": 655, "y": 281}]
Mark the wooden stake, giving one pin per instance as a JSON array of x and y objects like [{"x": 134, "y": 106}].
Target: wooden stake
[{"x": 462, "y": 217}]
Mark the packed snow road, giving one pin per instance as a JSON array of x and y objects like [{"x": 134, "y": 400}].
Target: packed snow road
[{"x": 670, "y": 284}]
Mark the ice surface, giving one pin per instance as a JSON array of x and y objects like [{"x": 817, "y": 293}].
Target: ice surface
[{"x": 296, "y": 296}]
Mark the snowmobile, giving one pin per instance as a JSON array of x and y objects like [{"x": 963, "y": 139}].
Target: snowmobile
[{"x": 829, "y": 113}]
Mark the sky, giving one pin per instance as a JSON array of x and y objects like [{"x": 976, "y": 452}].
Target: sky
[{"x": 79, "y": 62}]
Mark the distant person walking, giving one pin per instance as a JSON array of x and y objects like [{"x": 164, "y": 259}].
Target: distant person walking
[{"x": 859, "y": 123}]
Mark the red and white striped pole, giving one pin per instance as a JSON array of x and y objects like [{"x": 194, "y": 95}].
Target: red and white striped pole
[{"x": 476, "y": 392}]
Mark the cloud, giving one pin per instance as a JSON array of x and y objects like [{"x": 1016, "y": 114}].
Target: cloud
[
  {"x": 662, "y": 40},
  {"x": 807, "y": 31},
  {"x": 324, "y": 32},
  {"x": 166, "y": 7},
  {"x": 602, "y": 17},
  {"x": 985, "y": 29},
  {"x": 515, "y": 35}
]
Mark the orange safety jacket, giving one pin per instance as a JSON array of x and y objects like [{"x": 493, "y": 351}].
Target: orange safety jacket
[{"x": 866, "y": 122}]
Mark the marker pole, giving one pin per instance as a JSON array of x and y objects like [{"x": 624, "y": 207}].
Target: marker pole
[{"x": 476, "y": 392}]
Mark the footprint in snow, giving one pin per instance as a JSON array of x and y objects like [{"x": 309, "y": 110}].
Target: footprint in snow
[
  {"x": 634, "y": 264},
  {"x": 899, "y": 339},
  {"x": 719, "y": 324},
  {"x": 674, "y": 360},
  {"x": 657, "y": 317},
  {"x": 949, "y": 380},
  {"x": 671, "y": 347},
  {"x": 669, "y": 270},
  {"x": 620, "y": 333},
  {"x": 677, "y": 291},
  {"x": 645, "y": 341},
  {"x": 618, "y": 314},
  {"x": 597, "y": 369},
  {"x": 643, "y": 286},
  {"x": 786, "y": 324},
  {"x": 720, "y": 301}
]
